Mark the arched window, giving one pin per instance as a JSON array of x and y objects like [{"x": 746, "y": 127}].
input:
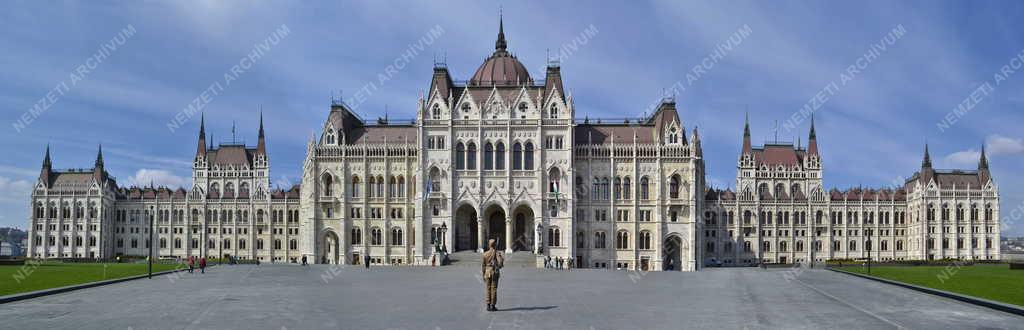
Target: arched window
[
  {"x": 471, "y": 156},
  {"x": 357, "y": 236},
  {"x": 528, "y": 156},
  {"x": 554, "y": 237},
  {"x": 605, "y": 188},
  {"x": 215, "y": 190},
  {"x": 488, "y": 156},
  {"x": 293, "y": 244},
  {"x": 396, "y": 236},
  {"x": 599, "y": 240},
  {"x": 435, "y": 113},
  {"x": 392, "y": 186},
  {"x": 229, "y": 189},
  {"x": 645, "y": 240},
  {"x": 931, "y": 212},
  {"x": 400, "y": 191},
  {"x": 766, "y": 247},
  {"x": 375, "y": 236},
  {"x": 355, "y": 186},
  {"x": 988, "y": 212},
  {"x": 499, "y": 157},
  {"x": 371, "y": 191},
  {"x": 673, "y": 187},
  {"x": 794, "y": 190},
  {"x": 644, "y": 188},
  {"x": 517, "y": 156},
  {"x": 622, "y": 240},
  {"x": 460, "y": 156},
  {"x": 618, "y": 188},
  {"x": 945, "y": 212},
  {"x": 380, "y": 186},
  {"x": 780, "y": 189},
  {"x": 435, "y": 180},
  {"x": 595, "y": 188},
  {"x": 553, "y": 112}
]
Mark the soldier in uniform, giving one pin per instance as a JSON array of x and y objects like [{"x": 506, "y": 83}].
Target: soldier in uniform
[{"x": 491, "y": 268}]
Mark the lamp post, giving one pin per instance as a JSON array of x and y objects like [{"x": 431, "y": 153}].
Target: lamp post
[
  {"x": 869, "y": 251},
  {"x": 444, "y": 238},
  {"x": 150, "y": 257}
]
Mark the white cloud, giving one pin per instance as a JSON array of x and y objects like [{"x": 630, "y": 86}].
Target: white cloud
[
  {"x": 1002, "y": 145},
  {"x": 145, "y": 177},
  {"x": 15, "y": 190},
  {"x": 962, "y": 159}
]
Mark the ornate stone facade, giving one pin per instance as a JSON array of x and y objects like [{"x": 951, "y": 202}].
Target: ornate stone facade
[{"x": 504, "y": 156}]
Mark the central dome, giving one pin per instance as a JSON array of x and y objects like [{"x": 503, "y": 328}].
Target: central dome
[{"x": 501, "y": 68}]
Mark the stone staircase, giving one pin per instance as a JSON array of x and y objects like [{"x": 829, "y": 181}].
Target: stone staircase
[{"x": 518, "y": 259}]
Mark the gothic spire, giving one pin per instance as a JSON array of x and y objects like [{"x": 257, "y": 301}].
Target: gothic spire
[
  {"x": 501, "y": 45},
  {"x": 46, "y": 160},
  {"x": 261, "y": 146},
  {"x": 927, "y": 163},
  {"x": 99, "y": 156},
  {"x": 201, "y": 148},
  {"x": 983, "y": 162},
  {"x": 812, "y": 139},
  {"x": 746, "y": 135}
]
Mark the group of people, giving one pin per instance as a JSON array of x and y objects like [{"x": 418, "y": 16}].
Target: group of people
[
  {"x": 558, "y": 263},
  {"x": 192, "y": 264}
]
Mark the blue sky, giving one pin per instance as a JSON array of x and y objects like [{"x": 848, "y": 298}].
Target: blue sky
[{"x": 871, "y": 131}]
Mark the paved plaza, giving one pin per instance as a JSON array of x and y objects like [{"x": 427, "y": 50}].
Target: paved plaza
[{"x": 295, "y": 297}]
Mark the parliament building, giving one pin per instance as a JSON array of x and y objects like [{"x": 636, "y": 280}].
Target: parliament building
[{"x": 503, "y": 156}]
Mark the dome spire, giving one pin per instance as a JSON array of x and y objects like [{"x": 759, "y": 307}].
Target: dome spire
[{"x": 501, "y": 45}]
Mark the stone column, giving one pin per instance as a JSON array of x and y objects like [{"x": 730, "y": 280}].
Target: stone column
[
  {"x": 508, "y": 234},
  {"x": 481, "y": 238}
]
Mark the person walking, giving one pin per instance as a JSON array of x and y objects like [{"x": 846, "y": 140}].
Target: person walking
[
  {"x": 366, "y": 261},
  {"x": 202, "y": 265},
  {"x": 304, "y": 261},
  {"x": 191, "y": 264},
  {"x": 491, "y": 269}
]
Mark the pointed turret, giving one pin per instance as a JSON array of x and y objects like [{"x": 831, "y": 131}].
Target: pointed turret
[
  {"x": 44, "y": 174},
  {"x": 927, "y": 162},
  {"x": 500, "y": 45},
  {"x": 201, "y": 149},
  {"x": 927, "y": 172},
  {"x": 98, "y": 172},
  {"x": 697, "y": 150},
  {"x": 261, "y": 146},
  {"x": 747, "y": 148},
  {"x": 983, "y": 173},
  {"x": 812, "y": 140}
]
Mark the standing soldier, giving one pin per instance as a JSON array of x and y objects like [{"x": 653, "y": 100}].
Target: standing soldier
[{"x": 491, "y": 267}]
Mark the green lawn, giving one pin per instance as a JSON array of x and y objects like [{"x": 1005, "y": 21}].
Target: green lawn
[
  {"x": 992, "y": 282},
  {"x": 17, "y": 279}
]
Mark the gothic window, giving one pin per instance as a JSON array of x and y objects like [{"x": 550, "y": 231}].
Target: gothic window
[
  {"x": 673, "y": 136},
  {"x": 625, "y": 188},
  {"x": 400, "y": 190},
  {"x": 371, "y": 192},
  {"x": 779, "y": 190},
  {"x": 460, "y": 156},
  {"x": 435, "y": 113},
  {"x": 554, "y": 181},
  {"x": 293, "y": 244},
  {"x": 606, "y": 192},
  {"x": 645, "y": 188},
  {"x": 931, "y": 212},
  {"x": 499, "y": 156},
  {"x": 392, "y": 186},
  {"x": 435, "y": 180},
  {"x": 488, "y": 156},
  {"x": 522, "y": 109},
  {"x": 945, "y": 212},
  {"x": 380, "y": 186},
  {"x": 517, "y": 156},
  {"x": 553, "y": 112},
  {"x": 357, "y": 235},
  {"x": 396, "y": 236},
  {"x": 599, "y": 240},
  {"x": 355, "y": 186},
  {"x": 375, "y": 236},
  {"x": 974, "y": 212},
  {"x": 618, "y": 188},
  {"x": 215, "y": 190},
  {"x": 622, "y": 240},
  {"x": 471, "y": 156},
  {"x": 528, "y": 156},
  {"x": 794, "y": 190},
  {"x": 645, "y": 240},
  {"x": 554, "y": 237},
  {"x": 673, "y": 187},
  {"x": 988, "y": 212}
]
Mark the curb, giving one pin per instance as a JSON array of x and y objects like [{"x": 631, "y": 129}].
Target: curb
[
  {"x": 63, "y": 289},
  {"x": 1012, "y": 309}
]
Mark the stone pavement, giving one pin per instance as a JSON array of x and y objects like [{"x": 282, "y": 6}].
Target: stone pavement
[{"x": 320, "y": 296}]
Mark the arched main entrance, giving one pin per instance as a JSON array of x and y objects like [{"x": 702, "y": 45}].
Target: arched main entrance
[
  {"x": 673, "y": 253},
  {"x": 331, "y": 248},
  {"x": 465, "y": 231},
  {"x": 495, "y": 228},
  {"x": 523, "y": 228}
]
